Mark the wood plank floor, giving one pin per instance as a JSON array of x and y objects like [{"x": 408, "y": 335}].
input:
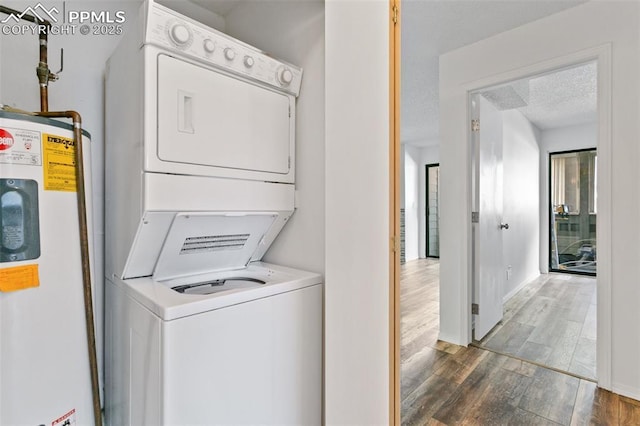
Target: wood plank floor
[
  {"x": 551, "y": 321},
  {"x": 448, "y": 384}
]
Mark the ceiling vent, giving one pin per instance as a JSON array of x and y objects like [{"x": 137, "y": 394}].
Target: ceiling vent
[{"x": 510, "y": 96}]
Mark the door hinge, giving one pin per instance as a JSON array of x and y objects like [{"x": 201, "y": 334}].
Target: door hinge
[
  {"x": 395, "y": 247},
  {"x": 289, "y": 163},
  {"x": 394, "y": 16},
  {"x": 475, "y": 125},
  {"x": 475, "y": 309},
  {"x": 475, "y": 217}
]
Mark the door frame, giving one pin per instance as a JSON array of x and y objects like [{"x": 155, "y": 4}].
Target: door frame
[
  {"x": 602, "y": 56},
  {"x": 426, "y": 230},
  {"x": 394, "y": 212}
]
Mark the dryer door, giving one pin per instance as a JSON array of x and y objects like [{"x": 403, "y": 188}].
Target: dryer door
[{"x": 221, "y": 124}]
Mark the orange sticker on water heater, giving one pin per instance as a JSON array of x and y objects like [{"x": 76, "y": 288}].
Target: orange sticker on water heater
[
  {"x": 59, "y": 163},
  {"x": 19, "y": 278}
]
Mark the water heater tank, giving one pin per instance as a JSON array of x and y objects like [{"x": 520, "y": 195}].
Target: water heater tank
[{"x": 44, "y": 363}]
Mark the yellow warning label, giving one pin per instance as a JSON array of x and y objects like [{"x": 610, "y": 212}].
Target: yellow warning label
[
  {"x": 19, "y": 278},
  {"x": 59, "y": 163}
]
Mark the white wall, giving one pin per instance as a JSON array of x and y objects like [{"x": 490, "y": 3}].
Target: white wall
[
  {"x": 357, "y": 213},
  {"x": 411, "y": 200},
  {"x": 521, "y": 242},
  {"x": 431, "y": 155},
  {"x": 598, "y": 27},
  {"x": 294, "y": 32},
  {"x": 568, "y": 138}
]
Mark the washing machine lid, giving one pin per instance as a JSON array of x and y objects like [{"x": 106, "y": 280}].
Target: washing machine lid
[{"x": 213, "y": 241}]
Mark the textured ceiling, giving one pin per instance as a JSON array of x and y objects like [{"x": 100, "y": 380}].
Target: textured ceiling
[
  {"x": 433, "y": 27},
  {"x": 563, "y": 98},
  {"x": 557, "y": 99}
]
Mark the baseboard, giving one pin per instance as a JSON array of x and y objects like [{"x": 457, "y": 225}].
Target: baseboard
[{"x": 519, "y": 287}]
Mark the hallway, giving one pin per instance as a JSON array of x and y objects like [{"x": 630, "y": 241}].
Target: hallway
[
  {"x": 551, "y": 321},
  {"x": 449, "y": 384}
]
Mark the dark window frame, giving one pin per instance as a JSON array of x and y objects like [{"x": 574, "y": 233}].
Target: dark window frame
[{"x": 550, "y": 201}]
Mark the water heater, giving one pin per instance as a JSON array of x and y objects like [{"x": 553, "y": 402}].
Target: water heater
[{"x": 44, "y": 362}]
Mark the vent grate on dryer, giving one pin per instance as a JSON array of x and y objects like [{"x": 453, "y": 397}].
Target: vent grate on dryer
[{"x": 210, "y": 243}]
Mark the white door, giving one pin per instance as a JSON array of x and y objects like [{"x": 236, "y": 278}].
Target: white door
[
  {"x": 207, "y": 118},
  {"x": 489, "y": 269}
]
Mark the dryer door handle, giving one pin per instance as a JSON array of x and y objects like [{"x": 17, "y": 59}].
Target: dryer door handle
[{"x": 185, "y": 112}]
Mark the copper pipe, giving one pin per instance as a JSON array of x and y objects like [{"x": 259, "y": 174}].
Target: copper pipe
[
  {"x": 43, "y": 71},
  {"x": 44, "y": 98},
  {"x": 84, "y": 252}
]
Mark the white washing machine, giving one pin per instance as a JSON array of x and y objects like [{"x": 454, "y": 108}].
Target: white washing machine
[
  {"x": 221, "y": 349},
  {"x": 200, "y": 150}
]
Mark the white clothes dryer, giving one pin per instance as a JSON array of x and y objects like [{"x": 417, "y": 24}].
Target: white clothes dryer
[{"x": 195, "y": 121}]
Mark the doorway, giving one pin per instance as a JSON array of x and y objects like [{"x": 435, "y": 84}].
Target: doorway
[
  {"x": 455, "y": 82},
  {"x": 432, "y": 208},
  {"x": 520, "y": 178}
]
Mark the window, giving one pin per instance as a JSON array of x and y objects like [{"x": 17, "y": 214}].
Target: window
[
  {"x": 573, "y": 211},
  {"x": 568, "y": 171}
]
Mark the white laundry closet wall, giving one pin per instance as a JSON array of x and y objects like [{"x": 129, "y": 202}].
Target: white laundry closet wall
[
  {"x": 294, "y": 32},
  {"x": 357, "y": 381}
]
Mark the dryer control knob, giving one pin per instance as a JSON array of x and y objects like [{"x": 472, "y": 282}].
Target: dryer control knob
[
  {"x": 285, "y": 76},
  {"x": 180, "y": 34},
  {"x": 209, "y": 45},
  {"x": 229, "y": 53},
  {"x": 248, "y": 61}
]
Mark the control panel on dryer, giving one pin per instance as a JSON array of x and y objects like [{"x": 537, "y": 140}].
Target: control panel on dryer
[{"x": 170, "y": 30}]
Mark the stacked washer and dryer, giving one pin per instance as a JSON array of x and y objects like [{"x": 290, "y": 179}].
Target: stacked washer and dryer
[{"x": 200, "y": 150}]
